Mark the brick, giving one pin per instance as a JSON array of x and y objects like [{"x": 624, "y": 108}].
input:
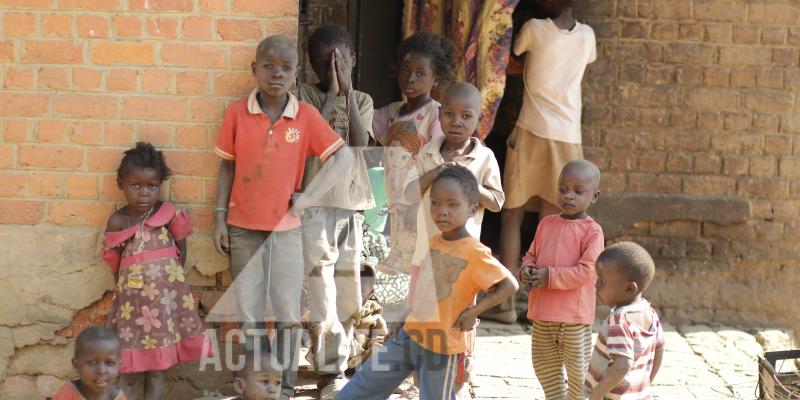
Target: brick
[
  {"x": 107, "y": 5},
  {"x": 770, "y": 79},
  {"x": 193, "y": 163},
  {"x": 79, "y": 214},
  {"x": 684, "y": 229},
  {"x": 264, "y": 8},
  {"x": 679, "y": 163},
  {"x": 708, "y": 185},
  {"x": 744, "y": 231},
  {"x": 161, "y": 5},
  {"x": 45, "y": 185},
  {"x": 718, "y": 33},
  {"x": 743, "y": 78},
  {"x": 793, "y": 37},
  {"x": 769, "y": 101},
  {"x": 785, "y": 57},
  {"x": 19, "y": 78},
  {"x": 288, "y": 27},
  {"x": 792, "y": 80},
  {"x": 707, "y": 164},
  {"x": 712, "y": 99},
  {"x": 50, "y": 157},
  {"x": 158, "y": 108},
  {"x": 654, "y": 118},
  {"x": 21, "y": 212},
  {"x": 127, "y": 26},
  {"x": 109, "y": 189},
  {"x": 709, "y": 121},
  {"x": 773, "y": 35},
  {"x": 202, "y": 218},
  {"x": 57, "y": 25},
  {"x": 23, "y": 104},
  {"x": 635, "y": 29},
  {"x": 7, "y": 151},
  {"x": 162, "y": 27},
  {"x": 186, "y": 190},
  {"x": 631, "y": 73},
  {"x": 193, "y": 55},
  {"x": 11, "y": 184},
  {"x": 744, "y": 56},
  {"x": 763, "y": 166},
  {"x": 748, "y": 143},
  {"x": 16, "y": 130},
  {"x": 649, "y": 96},
  {"x": 233, "y": 84},
  {"x": 652, "y": 162},
  {"x": 52, "y": 130},
  {"x": 735, "y": 165},
  {"x": 86, "y": 79},
  {"x": 210, "y": 191},
  {"x": 157, "y": 81},
  {"x": 763, "y": 188},
  {"x": 19, "y": 24},
  {"x": 115, "y": 53},
  {"x": 239, "y": 29},
  {"x": 769, "y": 231},
  {"x": 81, "y": 187},
  {"x": 191, "y": 136},
  {"x": 689, "y": 75},
  {"x": 665, "y": 9},
  {"x": 92, "y": 26},
  {"x": 791, "y": 123},
  {"x": 157, "y": 134},
  {"x": 7, "y": 52},
  {"x": 52, "y": 52},
  {"x": 103, "y": 160},
  {"x": 691, "y": 31},
  {"x": 654, "y": 183},
  {"x": 718, "y": 11},
  {"x": 717, "y": 76},
  {"x": 53, "y": 78},
  {"x": 87, "y": 132},
  {"x": 81, "y": 105},
  {"x": 777, "y": 13},
  {"x": 660, "y": 75},
  {"x": 664, "y": 31},
  {"x": 623, "y": 162},
  {"x": 207, "y": 109},
  {"x": 766, "y": 122},
  {"x": 191, "y": 83},
  {"x": 737, "y": 121},
  {"x": 28, "y": 3},
  {"x": 122, "y": 80},
  {"x": 789, "y": 167},
  {"x": 241, "y": 57},
  {"x": 119, "y": 134},
  {"x": 745, "y": 34},
  {"x": 197, "y": 28}
]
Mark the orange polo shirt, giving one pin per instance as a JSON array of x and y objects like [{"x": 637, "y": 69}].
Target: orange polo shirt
[{"x": 270, "y": 159}]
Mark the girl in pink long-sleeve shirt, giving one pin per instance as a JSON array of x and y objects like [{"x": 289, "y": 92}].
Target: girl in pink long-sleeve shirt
[{"x": 559, "y": 269}]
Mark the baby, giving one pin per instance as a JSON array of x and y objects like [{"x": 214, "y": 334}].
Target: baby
[{"x": 259, "y": 379}]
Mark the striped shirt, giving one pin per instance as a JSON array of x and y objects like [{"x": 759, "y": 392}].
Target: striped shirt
[{"x": 619, "y": 336}]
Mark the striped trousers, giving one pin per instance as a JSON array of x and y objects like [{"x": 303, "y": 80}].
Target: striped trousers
[{"x": 556, "y": 346}]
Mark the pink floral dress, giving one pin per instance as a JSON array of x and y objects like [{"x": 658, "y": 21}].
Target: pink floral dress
[{"x": 153, "y": 311}]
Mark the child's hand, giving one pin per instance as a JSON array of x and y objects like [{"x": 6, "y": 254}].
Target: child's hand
[
  {"x": 526, "y": 275},
  {"x": 540, "y": 277},
  {"x": 467, "y": 320},
  {"x": 344, "y": 72},
  {"x": 221, "y": 239},
  {"x": 333, "y": 79}
]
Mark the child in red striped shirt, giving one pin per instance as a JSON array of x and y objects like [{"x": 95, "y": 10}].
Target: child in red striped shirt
[{"x": 630, "y": 344}]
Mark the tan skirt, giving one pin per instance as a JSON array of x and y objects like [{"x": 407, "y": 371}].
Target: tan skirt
[{"x": 533, "y": 165}]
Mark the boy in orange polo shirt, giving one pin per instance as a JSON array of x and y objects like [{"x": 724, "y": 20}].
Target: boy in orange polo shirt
[{"x": 264, "y": 142}]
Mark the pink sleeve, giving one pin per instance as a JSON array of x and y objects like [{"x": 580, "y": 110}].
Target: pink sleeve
[
  {"x": 380, "y": 124},
  {"x": 180, "y": 227},
  {"x": 112, "y": 258},
  {"x": 583, "y": 273}
]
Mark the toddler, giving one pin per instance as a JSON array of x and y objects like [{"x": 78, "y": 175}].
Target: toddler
[
  {"x": 630, "y": 345},
  {"x": 259, "y": 379},
  {"x": 559, "y": 268},
  {"x": 153, "y": 311},
  {"x": 97, "y": 355}
]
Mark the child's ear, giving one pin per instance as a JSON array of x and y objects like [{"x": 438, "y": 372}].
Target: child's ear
[
  {"x": 238, "y": 385},
  {"x": 119, "y": 183},
  {"x": 74, "y": 363},
  {"x": 596, "y": 196},
  {"x": 473, "y": 209},
  {"x": 253, "y": 67},
  {"x": 632, "y": 288}
]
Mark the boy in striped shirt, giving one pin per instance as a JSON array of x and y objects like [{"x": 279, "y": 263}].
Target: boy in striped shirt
[{"x": 630, "y": 344}]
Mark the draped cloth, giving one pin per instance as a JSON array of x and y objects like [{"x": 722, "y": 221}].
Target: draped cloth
[{"x": 481, "y": 32}]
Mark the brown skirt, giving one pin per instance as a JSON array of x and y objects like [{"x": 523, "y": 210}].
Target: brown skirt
[{"x": 533, "y": 165}]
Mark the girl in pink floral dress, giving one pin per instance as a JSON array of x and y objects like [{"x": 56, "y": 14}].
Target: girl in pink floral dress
[{"x": 145, "y": 244}]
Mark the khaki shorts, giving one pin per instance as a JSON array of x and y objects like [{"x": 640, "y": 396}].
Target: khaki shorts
[{"x": 533, "y": 165}]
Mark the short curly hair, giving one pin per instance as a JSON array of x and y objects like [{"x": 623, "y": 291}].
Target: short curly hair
[
  {"x": 464, "y": 178},
  {"x": 632, "y": 260},
  {"x": 438, "y": 49},
  {"x": 94, "y": 334},
  {"x": 144, "y": 155},
  {"x": 330, "y": 35}
]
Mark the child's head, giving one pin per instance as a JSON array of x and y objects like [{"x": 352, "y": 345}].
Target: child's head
[
  {"x": 97, "y": 353},
  {"x": 461, "y": 112},
  {"x": 275, "y": 66},
  {"x": 554, "y": 8},
  {"x": 140, "y": 174},
  {"x": 424, "y": 60},
  {"x": 578, "y": 188},
  {"x": 259, "y": 378},
  {"x": 321, "y": 45},
  {"x": 624, "y": 270},
  {"x": 454, "y": 198}
]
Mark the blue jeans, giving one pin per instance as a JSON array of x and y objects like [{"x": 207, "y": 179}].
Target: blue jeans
[{"x": 382, "y": 373}]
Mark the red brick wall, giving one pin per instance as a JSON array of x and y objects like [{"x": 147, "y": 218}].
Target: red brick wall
[{"x": 702, "y": 98}]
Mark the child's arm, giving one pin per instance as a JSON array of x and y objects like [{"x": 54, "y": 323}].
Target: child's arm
[
  {"x": 416, "y": 188},
  {"x": 487, "y": 199},
  {"x": 581, "y": 274},
  {"x": 332, "y": 171},
  {"x": 612, "y": 376},
  {"x": 498, "y": 293},
  {"x": 224, "y": 184},
  {"x": 491, "y": 187},
  {"x": 181, "y": 244},
  {"x": 659, "y": 356}
]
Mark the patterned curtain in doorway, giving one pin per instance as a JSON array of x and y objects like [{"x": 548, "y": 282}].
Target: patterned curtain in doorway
[{"x": 481, "y": 32}]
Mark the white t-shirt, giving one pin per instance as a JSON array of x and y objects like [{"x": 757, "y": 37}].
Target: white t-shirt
[{"x": 554, "y": 69}]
